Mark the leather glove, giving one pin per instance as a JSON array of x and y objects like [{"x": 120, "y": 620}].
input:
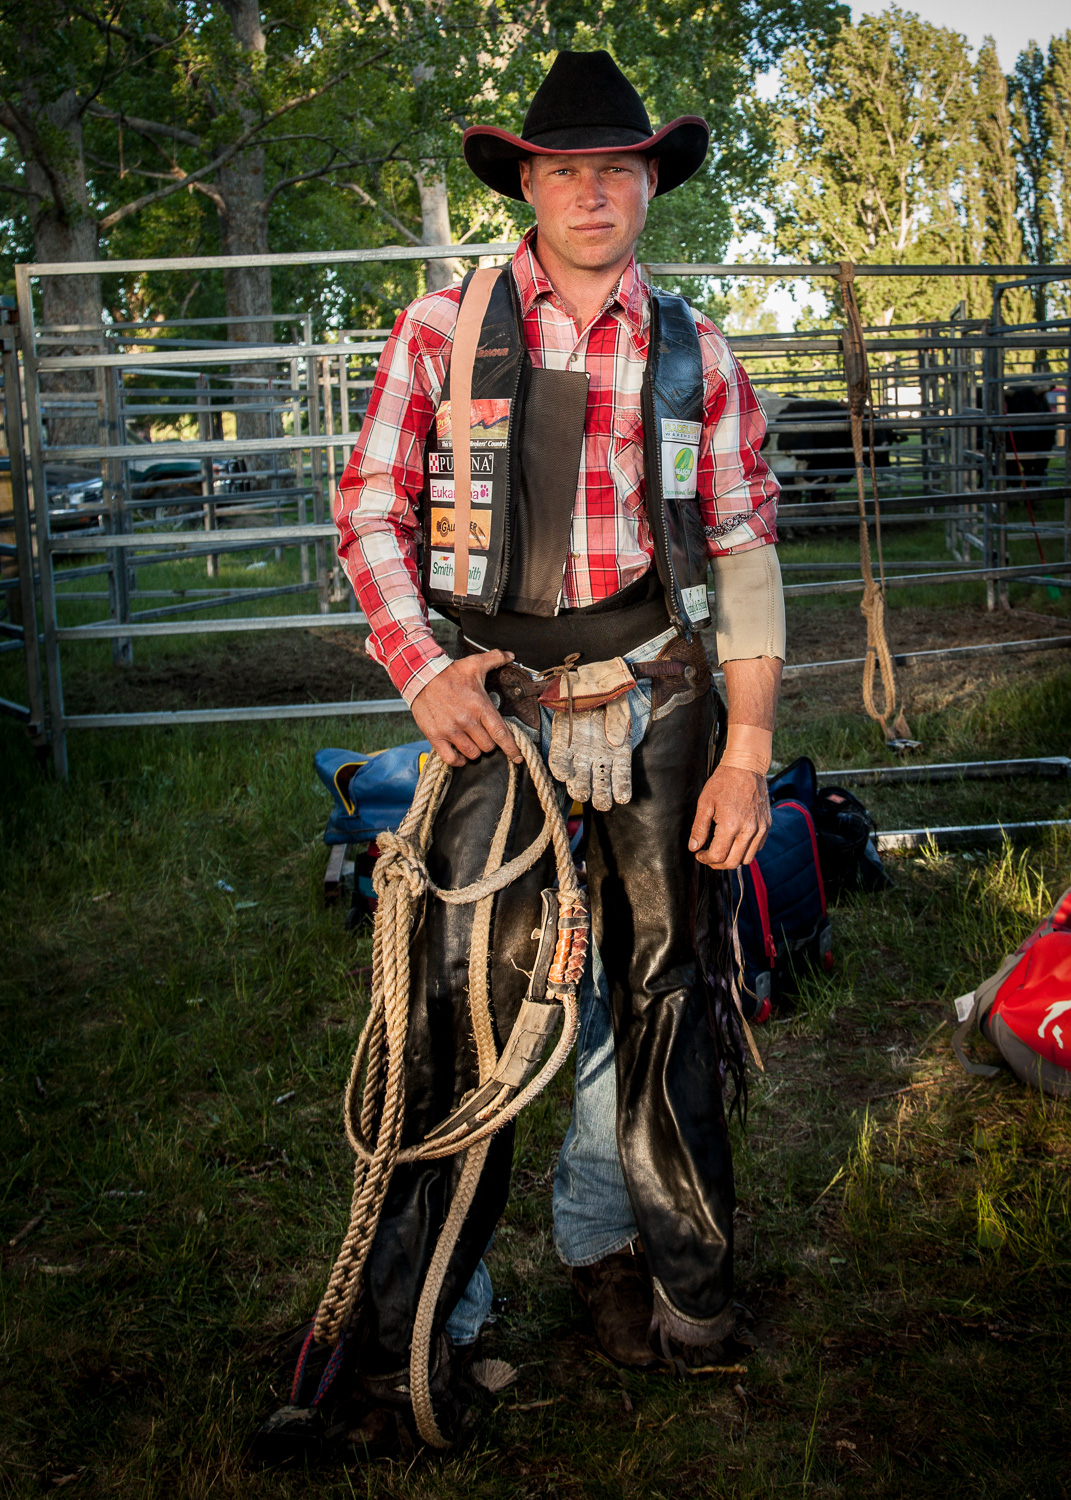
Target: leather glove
[{"x": 596, "y": 761}]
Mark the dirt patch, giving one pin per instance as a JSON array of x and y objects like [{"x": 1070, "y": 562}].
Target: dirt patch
[
  {"x": 330, "y": 665},
  {"x": 837, "y": 634},
  {"x": 270, "y": 667}
]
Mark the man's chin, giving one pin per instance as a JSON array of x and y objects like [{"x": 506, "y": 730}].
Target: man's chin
[{"x": 597, "y": 253}]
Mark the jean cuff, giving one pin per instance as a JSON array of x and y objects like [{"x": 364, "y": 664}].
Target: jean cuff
[{"x": 611, "y": 1248}]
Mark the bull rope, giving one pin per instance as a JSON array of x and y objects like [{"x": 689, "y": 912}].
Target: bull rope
[
  {"x": 374, "y": 1124},
  {"x": 878, "y": 652}
]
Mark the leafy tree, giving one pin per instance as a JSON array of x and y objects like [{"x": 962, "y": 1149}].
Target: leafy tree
[
  {"x": 993, "y": 224},
  {"x": 1030, "y": 138},
  {"x": 873, "y": 138},
  {"x": 54, "y": 62},
  {"x": 1056, "y": 114},
  {"x": 1041, "y": 95},
  {"x": 197, "y": 124}
]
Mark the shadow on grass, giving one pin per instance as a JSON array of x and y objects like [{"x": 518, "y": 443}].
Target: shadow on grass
[{"x": 179, "y": 1018}]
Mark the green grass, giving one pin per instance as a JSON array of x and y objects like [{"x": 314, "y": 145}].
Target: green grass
[{"x": 173, "y": 1059}]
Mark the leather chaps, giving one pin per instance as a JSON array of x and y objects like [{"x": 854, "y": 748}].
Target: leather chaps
[{"x": 653, "y": 918}]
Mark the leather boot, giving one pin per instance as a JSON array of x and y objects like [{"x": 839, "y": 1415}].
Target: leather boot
[{"x": 617, "y": 1291}]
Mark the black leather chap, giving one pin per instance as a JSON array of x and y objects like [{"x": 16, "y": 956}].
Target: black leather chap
[{"x": 652, "y": 920}]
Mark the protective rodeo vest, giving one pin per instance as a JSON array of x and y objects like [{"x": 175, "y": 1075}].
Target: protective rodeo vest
[{"x": 526, "y": 441}]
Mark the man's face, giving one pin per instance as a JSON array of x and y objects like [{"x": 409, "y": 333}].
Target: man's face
[{"x": 589, "y": 209}]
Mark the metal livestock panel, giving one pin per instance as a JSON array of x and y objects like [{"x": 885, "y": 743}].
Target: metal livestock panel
[{"x": 943, "y": 441}]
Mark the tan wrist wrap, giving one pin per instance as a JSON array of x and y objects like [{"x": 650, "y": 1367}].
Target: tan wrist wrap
[
  {"x": 749, "y": 604},
  {"x": 748, "y": 748}
]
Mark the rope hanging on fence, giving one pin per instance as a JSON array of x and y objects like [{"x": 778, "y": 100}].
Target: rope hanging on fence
[
  {"x": 374, "y": 1122},
  {"x": 878, "y": 652}
]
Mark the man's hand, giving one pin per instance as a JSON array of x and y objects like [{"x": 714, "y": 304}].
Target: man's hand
[
  {"x": 738, "y": 805},
  {"x": 456, "y": 715}
]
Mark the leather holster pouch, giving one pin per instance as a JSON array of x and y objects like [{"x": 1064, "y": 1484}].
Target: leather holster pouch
[{"x": 583, "y": 688}]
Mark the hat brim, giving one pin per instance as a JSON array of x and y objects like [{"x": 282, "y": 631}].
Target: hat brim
[{"x": 681, "y": 147}]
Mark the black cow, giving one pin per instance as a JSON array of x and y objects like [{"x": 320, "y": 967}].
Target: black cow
[
  {"x": 809, "y": 445},
  {"x": 1028, "y": 447}
]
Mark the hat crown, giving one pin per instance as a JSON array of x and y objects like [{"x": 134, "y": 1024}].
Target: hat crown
[{"x": 585, "y": 91}]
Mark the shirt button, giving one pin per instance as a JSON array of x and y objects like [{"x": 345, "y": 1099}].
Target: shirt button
[
  {"x": 575, "y": 556},
  {"x": 573, "y": 358}
]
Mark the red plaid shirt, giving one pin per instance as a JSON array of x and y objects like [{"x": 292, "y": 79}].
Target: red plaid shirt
[{"x": 376, "y": 506}]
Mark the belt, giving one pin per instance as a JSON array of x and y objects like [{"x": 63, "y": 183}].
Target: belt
[
  {"x": 597, "y": 632},
  {"x": 679, "y": 673}
]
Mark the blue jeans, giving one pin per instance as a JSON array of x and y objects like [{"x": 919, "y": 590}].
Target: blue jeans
[{"x": 592, "y": 1211}]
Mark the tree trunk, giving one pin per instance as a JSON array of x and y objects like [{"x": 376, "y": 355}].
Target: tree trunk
[
  {"x": 243, "y": 223},
  {"x": 64, "y": 228},
  {"x": 244, "y": 231},
  {"x": 435, "y": 226}
]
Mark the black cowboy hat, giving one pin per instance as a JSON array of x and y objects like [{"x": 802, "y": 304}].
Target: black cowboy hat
[{"x": 586, "y": 104}]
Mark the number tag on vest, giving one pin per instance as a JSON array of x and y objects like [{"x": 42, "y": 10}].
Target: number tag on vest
[
  {"x": 680, "y": 457},
  {"x": 695, "y": 602}
]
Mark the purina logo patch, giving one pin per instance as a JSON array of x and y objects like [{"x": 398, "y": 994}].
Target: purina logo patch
[{"x": 443, "y": 463}]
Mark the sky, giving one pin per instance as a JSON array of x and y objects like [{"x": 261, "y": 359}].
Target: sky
[{"x": 1012, "y": 24}]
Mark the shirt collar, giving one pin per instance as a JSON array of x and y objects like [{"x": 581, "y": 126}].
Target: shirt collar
[{"x": 629, "y": 297}]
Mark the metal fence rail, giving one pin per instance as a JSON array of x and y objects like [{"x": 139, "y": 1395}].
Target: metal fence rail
[{"x": 261, "y": 433}]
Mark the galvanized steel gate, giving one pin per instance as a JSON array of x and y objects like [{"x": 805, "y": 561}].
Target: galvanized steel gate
[{"x": 944, "y": 385}]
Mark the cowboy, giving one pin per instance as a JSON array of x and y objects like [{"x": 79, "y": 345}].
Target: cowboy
[{"x": 612, "y": 443}]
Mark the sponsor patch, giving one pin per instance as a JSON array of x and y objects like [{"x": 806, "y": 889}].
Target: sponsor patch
[
  {"x": 680, "y": 465},
  {"x": 443, "y": 463},
  {"x": 442, "y": 572},
  {"x": 442, "y": 491},
  {"x": 442, "y": 528},
  {"x": 676, "y": 431},
  {"x": 488, "y": 423},
  {"x": 695, "y": 602}
]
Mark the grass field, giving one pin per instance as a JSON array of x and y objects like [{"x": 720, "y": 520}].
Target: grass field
[{"x": 179, "y": 1017}]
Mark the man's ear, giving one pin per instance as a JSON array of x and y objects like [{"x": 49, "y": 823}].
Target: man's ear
[
  {"x": 652, "y": 175},
  {"x": 524, "y": 167}
]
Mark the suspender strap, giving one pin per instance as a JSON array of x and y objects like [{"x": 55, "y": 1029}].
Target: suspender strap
[{"x": 462, "y": 358}]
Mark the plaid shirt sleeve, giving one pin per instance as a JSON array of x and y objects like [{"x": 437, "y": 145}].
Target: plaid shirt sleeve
[
  {"x": 376, "y": 504},
  {"x": 737, "y": 492}
]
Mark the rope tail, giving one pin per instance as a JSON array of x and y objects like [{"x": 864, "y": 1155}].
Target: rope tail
[
  {"x": 890, "y": 716},
  {"x": 374, "y": 1112}
]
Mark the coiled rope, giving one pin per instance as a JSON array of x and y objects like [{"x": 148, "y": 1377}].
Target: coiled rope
[
  {"x": 878, "y": 652},
  {"x": 374, "y": 1114}
]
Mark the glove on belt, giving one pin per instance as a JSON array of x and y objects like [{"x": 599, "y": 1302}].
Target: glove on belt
[{"x": 591, "y": 736}]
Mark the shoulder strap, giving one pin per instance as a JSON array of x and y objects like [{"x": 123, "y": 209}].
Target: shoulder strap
[
  {"x": 678, "y": 345},
  {"x": 474, "y": 299},
  {"x": 977, "y": 1070}
]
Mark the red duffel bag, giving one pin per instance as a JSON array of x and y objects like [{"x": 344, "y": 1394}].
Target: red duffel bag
[{"x": 1025, "y": 1008}]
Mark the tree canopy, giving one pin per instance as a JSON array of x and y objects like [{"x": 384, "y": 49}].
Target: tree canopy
[
  {"x": 894, "y": 148},
  {"x": 136, "y": 128},
  {"x": 151, "y": 127}
]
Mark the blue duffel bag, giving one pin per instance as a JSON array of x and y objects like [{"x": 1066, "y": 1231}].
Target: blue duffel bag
[
  {"x": 780, "y": 904},
  {"x": 371, "y": 792}
]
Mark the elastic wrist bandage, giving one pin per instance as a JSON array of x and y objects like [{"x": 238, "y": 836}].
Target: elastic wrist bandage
[
  {"x": 749, "y": 604},
  {"x": 748, "y": 748}
]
